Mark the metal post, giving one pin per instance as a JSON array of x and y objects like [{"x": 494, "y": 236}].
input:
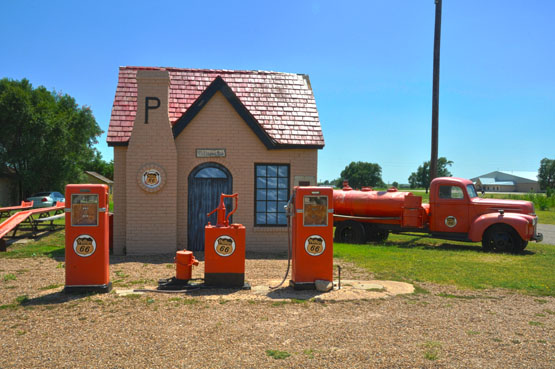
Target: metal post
[{"x": 435, "y": 93}]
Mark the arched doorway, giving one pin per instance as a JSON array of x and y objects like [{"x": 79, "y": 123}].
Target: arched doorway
[{"x": 206, "y": 183}]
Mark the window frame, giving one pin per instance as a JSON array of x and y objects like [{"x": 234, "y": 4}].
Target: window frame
[{"x": 256, "y": 165}]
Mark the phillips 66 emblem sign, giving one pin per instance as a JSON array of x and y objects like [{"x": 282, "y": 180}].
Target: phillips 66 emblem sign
[
  {"x": 450, "y": 221},
  {"x": 224, "y": 246},
  {"x": 315, "y": 245},
  {"x": 84, "y": 245},
  {"x": 152, "y": 178}
]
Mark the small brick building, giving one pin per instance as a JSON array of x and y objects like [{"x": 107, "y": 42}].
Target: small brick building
[{"x": 183, "y": 136}]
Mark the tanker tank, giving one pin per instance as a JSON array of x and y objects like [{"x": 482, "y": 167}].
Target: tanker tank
[{"x": 369, "y": 203}]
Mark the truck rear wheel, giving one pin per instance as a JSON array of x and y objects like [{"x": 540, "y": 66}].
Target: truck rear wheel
[
  {"x": 375, "y": 234},
  {"x": 502, "y": 238},
  {"x": 350, "y": 232}
]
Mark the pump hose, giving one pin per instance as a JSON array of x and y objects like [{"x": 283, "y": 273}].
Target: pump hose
[{"x": 288, "y": 251}]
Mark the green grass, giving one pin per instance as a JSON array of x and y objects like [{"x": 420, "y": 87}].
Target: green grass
[
  {"x": 277, "y": 355},
  {"x": 191, "y": 301},
  {"x": 422, "y": 193},
  {"x": 10, "y": 277},
  {"x": 546, "y": 216},
  {"x": 418, "y": 259},
  {"x": 52, "y": 246},
  {"x": 432, "y": 349}
]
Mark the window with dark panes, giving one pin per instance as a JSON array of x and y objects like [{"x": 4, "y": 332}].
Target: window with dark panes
[
  {"x": 271, "y": 194},
  {"x": 451, "y": 192}
]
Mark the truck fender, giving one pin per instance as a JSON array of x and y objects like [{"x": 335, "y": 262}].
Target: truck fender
[{"x": 517, "y": 221}]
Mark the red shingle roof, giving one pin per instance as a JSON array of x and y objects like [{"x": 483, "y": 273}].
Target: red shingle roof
[{"x": 281, "y": 103}]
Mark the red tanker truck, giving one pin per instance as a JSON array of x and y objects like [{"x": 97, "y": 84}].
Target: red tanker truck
[{"x": 455, "y": 212}]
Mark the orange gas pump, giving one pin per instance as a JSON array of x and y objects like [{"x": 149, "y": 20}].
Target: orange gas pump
[
  {"x": 312, "y": 236},
  {"x": 224, "y": 249},
  {"x": 87, "y": 238}
]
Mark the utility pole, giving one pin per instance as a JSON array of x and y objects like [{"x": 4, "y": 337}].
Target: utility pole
[{"x": 435, "y": 93}]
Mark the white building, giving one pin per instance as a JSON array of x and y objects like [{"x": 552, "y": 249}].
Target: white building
[{"x": 508, "y": 181}]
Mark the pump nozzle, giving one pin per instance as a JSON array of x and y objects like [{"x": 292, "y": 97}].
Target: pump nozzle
[
  {"x": 223, "y": 221},
  {"x": 289, "y": 208}
]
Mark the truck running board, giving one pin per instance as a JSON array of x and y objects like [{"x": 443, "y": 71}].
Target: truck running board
[{"x": 364, "y": 218}]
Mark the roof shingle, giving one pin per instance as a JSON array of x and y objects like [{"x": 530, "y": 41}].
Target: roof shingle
[{"x": 281, "y": 103}]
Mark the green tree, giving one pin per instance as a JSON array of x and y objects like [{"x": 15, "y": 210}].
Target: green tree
[
  {"x": 101, "y": 167},
  {"x": 395, "y": 184},
  {"x": 46, "y": 138},
  {"x": 337, "y": 183},
  {"x": 334, "y": 182},
  {"x": 360, "y": 174},
  {"x": 421, "y": 178},
  {"x": 546, "y": 174}
]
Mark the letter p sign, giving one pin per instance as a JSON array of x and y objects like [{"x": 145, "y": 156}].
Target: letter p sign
[{"x": 149, "y": 106}]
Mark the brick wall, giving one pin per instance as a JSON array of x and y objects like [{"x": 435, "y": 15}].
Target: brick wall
[
  {"x": 147, "y": 223},
  {"x": 218, "y": 125},
  {"x": 119, "y": 197},
  {"x": 151, "y": 216}
]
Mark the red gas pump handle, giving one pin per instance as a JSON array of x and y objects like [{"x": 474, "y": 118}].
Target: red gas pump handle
[
  {"x": 222, "y": 219},
  {"x": 236, "y": 196},
  {"x": 212, "y": 212}
]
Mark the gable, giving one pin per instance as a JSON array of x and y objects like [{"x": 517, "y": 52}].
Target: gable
[{"x": 219, "y": 85}]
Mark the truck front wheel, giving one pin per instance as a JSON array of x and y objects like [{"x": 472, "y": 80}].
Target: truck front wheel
[
  {"x": 350, "y": 232},
  {"x": 502, "y": 238}
]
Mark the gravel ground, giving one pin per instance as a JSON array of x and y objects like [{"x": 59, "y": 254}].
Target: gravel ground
[{"x": 444, "y": 328}]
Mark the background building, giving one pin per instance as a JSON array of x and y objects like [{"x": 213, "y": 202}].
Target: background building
[
  {"x": 94, "y": 177},
  {"x": 505, "y": 181},
  {"x": 8, "y": 187},
  {"x": 183, "y": 136}
]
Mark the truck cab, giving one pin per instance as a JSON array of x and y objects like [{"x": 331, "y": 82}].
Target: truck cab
[{"x": 456, "y": 212}]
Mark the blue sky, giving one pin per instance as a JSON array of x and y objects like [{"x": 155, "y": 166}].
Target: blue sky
[{"x": 370, "y": 64}]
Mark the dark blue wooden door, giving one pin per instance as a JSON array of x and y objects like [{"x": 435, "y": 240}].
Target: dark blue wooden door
[{"x": 206, "y": 183}]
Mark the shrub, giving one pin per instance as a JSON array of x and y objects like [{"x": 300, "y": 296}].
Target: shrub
[{"x": 541, "y": 202}]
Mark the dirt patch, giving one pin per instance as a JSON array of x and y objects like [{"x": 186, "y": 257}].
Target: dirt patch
[{"x": 436, "y": 327}]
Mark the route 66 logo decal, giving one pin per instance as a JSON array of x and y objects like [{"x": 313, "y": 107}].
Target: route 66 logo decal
[
  {"x": 84, "y": 245},
  {"x": 450, "y": 221},
  {"x": 315, "y": 245},
  {"x": 151, "y": 178},
  {"x": 224, "y": 246}
]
